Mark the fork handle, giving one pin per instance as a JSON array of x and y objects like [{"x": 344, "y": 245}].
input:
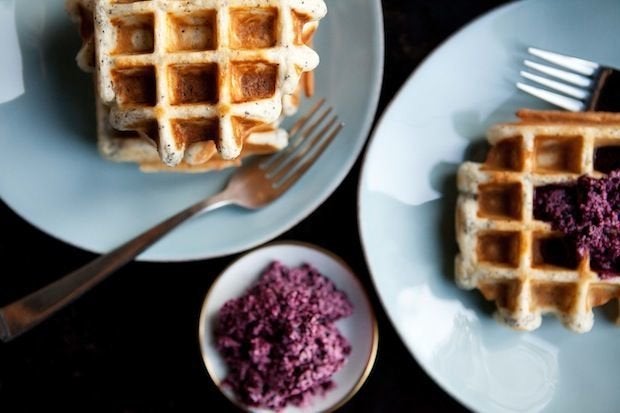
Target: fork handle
[{"x": 25, "y": 313}]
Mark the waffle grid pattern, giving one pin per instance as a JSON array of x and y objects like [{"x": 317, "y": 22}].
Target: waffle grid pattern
[
  {"x": 501, "y": 243},
  {"x": 130, "y": 146},
  {"x": 156, "y": 56}
]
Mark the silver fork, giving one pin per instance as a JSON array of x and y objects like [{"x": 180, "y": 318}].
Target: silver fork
[
  {"x": 585, "y": 86},
  {"x": 252, "y": 186}
]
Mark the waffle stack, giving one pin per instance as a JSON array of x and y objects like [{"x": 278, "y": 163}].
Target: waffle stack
[
  {"x": 188, "y": 83},
  {"x": 130, "y": 146},
  {"x": 503, "y": 247}
]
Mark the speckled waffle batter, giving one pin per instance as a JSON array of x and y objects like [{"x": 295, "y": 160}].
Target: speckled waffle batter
[
  {"x": 503, "y": 248},
  {"x": 198, "y": 75},
  {"x": 130, "y": 146}
]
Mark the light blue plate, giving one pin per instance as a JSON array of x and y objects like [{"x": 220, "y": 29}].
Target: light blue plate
[
  {"x": 52, "y": 176},
  {"x": 406, "y": 212}
]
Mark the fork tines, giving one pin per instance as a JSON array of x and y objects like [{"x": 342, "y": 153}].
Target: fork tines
[
  {"x": 575, "y": 85},
  {"x": 308, "y": 138}
]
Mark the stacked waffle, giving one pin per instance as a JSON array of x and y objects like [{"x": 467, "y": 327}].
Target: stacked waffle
[
  {"x": 195, "y": 85},
  {"x": 503, "y": 248}
]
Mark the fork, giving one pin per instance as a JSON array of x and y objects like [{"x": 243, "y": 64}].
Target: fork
[
  {"x": 254, "y": 185},
  {"x": 585, "y": 86}
]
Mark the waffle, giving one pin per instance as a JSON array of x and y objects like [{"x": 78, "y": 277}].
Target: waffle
[
  {"x": 133, "y": 147},
  {"x": 138, "y": 145},
  {"x": 503, "y": 249},
  {"x": 166, "y": 66},
  {"x": 81, "y": 12}
]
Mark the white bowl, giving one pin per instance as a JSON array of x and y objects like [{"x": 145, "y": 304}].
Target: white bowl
[{"x": 360, "y": 328}]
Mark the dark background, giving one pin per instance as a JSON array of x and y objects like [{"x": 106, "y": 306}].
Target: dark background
[{"x": 131, "y": 344}]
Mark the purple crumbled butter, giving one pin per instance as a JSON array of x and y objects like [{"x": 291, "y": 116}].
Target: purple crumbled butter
[
  {"x": 279, "y": 339},
  {"x": 588, "y": 213}
]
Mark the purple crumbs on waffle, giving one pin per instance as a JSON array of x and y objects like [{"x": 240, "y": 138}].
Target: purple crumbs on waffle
[
  {"x": 588, "y": 213},
  {"x": 279, "y": 339}
]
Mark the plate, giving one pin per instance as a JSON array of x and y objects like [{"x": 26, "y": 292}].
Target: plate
[
  {"x": 360, "y": 328},
  {"x": 406, "y": 212},
  {"x": 53, "y": 177}
]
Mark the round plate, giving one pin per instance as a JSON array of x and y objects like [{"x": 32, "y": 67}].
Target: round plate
[
  {"x": 52, "y": 175},
  {"x": 407, "y": 196},
  {"x": 360, "y": 328}
]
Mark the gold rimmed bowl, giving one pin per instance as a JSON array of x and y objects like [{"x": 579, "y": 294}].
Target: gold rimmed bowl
[{"x": 360, "y": 328}]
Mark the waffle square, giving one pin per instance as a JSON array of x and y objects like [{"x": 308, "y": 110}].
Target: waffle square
[
  {"x": 164, "y": 66},
  {"x": 512, "y": 258}
]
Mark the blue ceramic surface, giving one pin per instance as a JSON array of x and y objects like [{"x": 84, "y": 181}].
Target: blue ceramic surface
[
  {"x": 52, "y": 175},
  {"x": 406, "y": 212}
]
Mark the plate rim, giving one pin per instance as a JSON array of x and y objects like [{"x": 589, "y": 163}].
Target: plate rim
[{"x": 372, "y": 356}]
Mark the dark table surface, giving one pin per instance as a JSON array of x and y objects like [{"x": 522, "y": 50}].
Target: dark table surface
[{"x": 131, "y": 344}]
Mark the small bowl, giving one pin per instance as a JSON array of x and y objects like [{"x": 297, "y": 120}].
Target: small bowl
[{"x": 360, "y": 328}]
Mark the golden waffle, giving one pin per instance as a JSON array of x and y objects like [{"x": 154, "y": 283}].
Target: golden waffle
[
  {"x": 81, "y": 12},
  {"x": 221, "y": 66},
  {"x": 135, "y": 146},
  {"x": 131, "y": 146},
  {"x": 502, "y": 247}
]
